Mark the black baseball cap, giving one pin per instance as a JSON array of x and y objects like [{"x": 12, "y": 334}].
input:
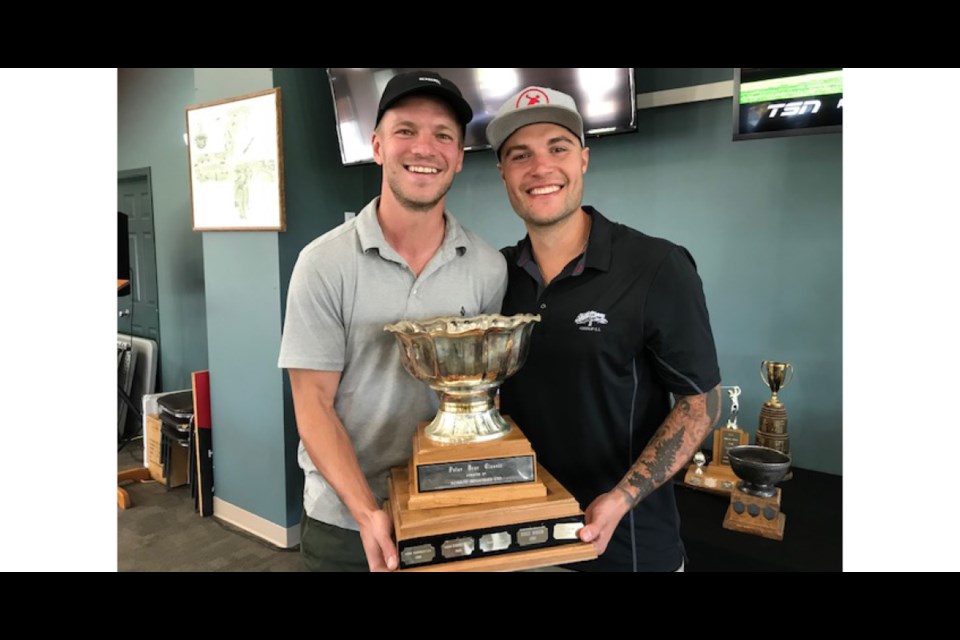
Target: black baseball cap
[{"x": 425, "y": 82}]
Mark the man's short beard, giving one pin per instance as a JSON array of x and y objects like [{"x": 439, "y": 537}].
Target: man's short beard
[
  {"x": 416, "y": 205},
  {"x": 528, "y": 218},
  {"x": 549, "y": 223},
  {"x": 413, "y": 205}
]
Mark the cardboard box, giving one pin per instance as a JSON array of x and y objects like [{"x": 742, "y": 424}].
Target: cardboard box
[
  {"x": 149, "y": 409},
  {"x": 152, "y": 455},
  {"x": 177, "y": 463}
]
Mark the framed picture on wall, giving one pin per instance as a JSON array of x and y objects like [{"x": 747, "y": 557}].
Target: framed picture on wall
[{"x": 235, "y": 153}]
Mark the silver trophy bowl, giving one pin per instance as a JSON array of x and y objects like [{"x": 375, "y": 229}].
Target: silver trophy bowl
[
  {"x": 464, "y": 360},
  {"x": 759, "y": 469}
]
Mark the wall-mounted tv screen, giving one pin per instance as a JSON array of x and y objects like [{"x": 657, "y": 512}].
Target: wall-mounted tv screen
[
  {"x": 777, "y": 102},
  {"x": 605, "y": 97}
]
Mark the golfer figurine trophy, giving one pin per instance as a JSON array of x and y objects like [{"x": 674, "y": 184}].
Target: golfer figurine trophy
[
  {"x": 473, "y": 496},
  {"x": 718, "y": 477}
]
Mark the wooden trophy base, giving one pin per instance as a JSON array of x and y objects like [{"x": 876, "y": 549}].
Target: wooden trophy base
[
  {"x": 757, "y": 516},
  {"x": 713, "y": 478},
  {"x": 447, "y": 475},
  {"x": 773, "y": 419},
  {"x": 496, "y": 536}
]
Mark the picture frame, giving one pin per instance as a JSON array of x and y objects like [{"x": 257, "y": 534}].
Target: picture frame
[{"x": 235, "y": 156}]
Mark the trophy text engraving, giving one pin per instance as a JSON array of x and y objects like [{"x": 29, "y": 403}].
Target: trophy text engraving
[
  {"x": 418, "y": 555},
  {"x": 532, "y": 535},
  {"x": 475, "y": 473}
]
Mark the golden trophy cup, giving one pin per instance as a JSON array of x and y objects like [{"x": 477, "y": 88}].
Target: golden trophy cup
[
  {"x": 718, "y": 477},
  {"x": 473, "y": 497},
  {"x": 772, "y": 432}
]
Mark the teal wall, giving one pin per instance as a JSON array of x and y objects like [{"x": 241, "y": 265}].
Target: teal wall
[
  {"x": 242, "y": 274},
  {"x": 150, "y": 125},
  {"x": 243, "y": 316}
]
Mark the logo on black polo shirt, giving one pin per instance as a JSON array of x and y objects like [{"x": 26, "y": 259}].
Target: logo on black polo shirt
[{"x": 587, "y": 319}]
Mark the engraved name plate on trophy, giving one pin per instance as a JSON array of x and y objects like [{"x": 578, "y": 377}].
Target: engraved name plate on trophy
[{"x": 475, "y": 473}]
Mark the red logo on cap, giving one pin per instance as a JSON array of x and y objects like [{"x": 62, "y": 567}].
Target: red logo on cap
[{"x": 531, "y": 97}]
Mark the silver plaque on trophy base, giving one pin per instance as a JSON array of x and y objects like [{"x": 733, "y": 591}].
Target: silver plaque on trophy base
[{"x": 475, "y": 473}]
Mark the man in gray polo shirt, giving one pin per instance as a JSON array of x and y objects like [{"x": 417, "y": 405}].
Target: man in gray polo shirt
[{"x": 402, "y": 257}]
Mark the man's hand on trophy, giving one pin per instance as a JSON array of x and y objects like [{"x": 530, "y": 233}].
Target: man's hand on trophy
[
  {"x": 602, "y": 517},
  {"x": 376, "y": 535}
]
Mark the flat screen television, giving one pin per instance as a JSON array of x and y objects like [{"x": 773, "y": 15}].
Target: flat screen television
[
  {"x": 774, "y": 102},
  {"x": 606, "y": 99}
]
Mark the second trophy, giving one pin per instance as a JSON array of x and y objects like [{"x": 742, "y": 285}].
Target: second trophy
[
  {"x": 473, "y": 495},
  {"x": 772, "y": 431}
]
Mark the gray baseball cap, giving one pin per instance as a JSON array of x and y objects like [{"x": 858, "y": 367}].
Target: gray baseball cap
[{"x": 530, "y": 106}]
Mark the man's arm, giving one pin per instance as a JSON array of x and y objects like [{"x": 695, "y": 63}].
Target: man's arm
[
  {"x": 332, "y": 453},
  {"x": 670, "y": 448}
]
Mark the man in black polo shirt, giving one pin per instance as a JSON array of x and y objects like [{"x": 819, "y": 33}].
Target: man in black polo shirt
[{"x": 624, "y": 326}]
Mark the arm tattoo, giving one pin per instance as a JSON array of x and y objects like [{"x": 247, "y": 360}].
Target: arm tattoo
[
  {"x": 670, "y": 447},
  {"x": 714, "y": 404},
  {"x": 666, "y": 454}
]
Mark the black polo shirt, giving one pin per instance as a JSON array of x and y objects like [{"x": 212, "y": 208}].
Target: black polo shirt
[{"x": 623, "y": 326}]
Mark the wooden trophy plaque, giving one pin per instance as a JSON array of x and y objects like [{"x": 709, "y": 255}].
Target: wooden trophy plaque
[
  {"x": 755, "y": 515},
  {"x": 494, "y": 471},
  {"x": 482, "y": 506}
]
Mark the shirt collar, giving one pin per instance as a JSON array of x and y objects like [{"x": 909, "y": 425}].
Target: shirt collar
[
  {"x": 599, "y": 245},
  {"x": 371, "y": 235}
]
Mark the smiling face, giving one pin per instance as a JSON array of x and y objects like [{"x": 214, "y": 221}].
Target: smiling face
[
  {"x": 542, "y": 166},
  {"x": 419, "y": 145}
]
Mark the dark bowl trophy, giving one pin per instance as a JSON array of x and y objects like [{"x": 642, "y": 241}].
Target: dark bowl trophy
[
  {"x": 718, "y": 477},
  {"x": 473, "y": 496},
  {"x": 772, "y": 432},
  {"x": 755, "y": 501}
]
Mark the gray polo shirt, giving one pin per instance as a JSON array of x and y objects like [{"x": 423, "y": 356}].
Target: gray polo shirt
[{"x": 349, "y": 283}]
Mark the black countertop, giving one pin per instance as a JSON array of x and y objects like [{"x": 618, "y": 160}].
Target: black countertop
[{"x": 812, "y": 539}]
